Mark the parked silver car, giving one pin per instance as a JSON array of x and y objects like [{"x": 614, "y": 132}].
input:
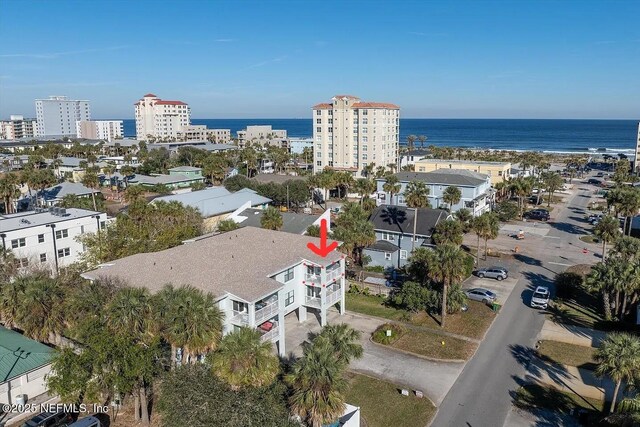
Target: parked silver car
[
  {"x": 497, "y": 273},
  {"x": 481, "y": 294},
  {"x": 540, "y": 298}
]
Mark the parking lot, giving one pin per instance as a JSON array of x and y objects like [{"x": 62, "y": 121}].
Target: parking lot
[{"x": 501, "y": 288}]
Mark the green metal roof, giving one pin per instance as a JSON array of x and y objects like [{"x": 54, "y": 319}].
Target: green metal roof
[{"x": 19, "y": 354}]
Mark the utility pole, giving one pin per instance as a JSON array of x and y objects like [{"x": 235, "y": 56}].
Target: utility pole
[{"x": 55, "y": 246}]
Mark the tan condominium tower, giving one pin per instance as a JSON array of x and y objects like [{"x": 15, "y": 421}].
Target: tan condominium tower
[
  {"x": 349, "y": 134},
  {"x": 160, "y": 119}
]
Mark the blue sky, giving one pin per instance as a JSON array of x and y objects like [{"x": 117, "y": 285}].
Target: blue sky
[{"x": 275, "y": 59}]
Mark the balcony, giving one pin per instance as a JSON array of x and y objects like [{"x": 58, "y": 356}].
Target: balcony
[
  {"x": 267, "y": 311},
  {"x": 313, "y": 278},
  {"x": 313, "y": 301},
  {"x": 333, "y": 274},
  {"x": 240, "y": 318},
  {"x": 333, "y": 296},
  {"x": 270, "y": 331}
]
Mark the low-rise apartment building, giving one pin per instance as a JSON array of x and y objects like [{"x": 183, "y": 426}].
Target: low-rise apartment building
[
  {"x": 48, "y": 236},
  {"x": 202, "y": 133},
  {"x": 257, "y": 276},
  {"x": 107, "y": 130},
  {"x": 17, "y": 127},
  {"x": 497, "y": 171},
  {"x": 263, "y": 134},
  {"x": 475, "y": 189}
]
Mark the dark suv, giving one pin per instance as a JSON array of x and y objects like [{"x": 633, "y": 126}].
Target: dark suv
[
  {"x": 538, "y": 214},
  {"x": 50, "y": 419}
]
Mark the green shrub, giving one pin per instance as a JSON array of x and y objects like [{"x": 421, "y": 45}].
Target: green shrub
[
  {"x": 412, "y": 296},
  {"x": 469, "y": 264},
  {"x": 567, "y": 283},
  {"x": 375, "y": 268},
  {"x": 380, "y": 334}
]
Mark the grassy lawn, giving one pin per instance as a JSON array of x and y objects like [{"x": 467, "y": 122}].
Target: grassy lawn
[
  {"x": 568, "y": 354},
  {"x": 382, "y": 405},
  {"x": 473, "y": 323},
  {"x": 533, "y": 396},
  {"x": 589, "y": 238},
  {"x": 429, "y": 344}
]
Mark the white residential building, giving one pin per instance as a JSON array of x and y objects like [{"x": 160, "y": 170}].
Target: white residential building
[
  {"x": 48, "y": 236},
  {"x": 636, "y": 160},
  {"x": 17, "y": 127},
  {"x": 107, "y": 130},
  {"x": 263, "y": 134},
  {"x": 57, "y": 115},
  {"x": 159, "y": 118},
  {"x": 350, "y": 134},
  {"x": 257, "y": 276},
  {"x": 202, "y": 133}
]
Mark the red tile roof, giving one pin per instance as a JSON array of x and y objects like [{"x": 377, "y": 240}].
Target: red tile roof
[
  {"x": 161, "y": 102},
  {"x": 149, "y": 95},
  {"x": 323, "y": 106},
  {"x": 375, "y": 105}
]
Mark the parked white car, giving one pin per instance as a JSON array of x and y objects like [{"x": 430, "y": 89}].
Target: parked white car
[{"x": 540, "y": 298}]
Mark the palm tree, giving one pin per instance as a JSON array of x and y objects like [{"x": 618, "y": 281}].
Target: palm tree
[
  {"x": 129, "y": 312},
  {"x": 448, "y": 232},
  {"x": 465, "y": 217},
  {"x": 11, "y": 296},
  {"x": 326, "y": 180},
  {"x": 189, "y": 319},
  {"x": 227, "y": 225},
  {"x": 630, "y": 205},
  {"x": 411, "y": 139},
  {"x": 271, "y": 219},
  {"x": 422, "y": 140},
  {"x": 491, "y": 230},
  {"x": 317, "y": 384},
  {"x": 479, "y": 225},
  {"x": 392, "y": 186},
  {"x": 9, "y": 190},
  {"x": 448, "y": 270},
  {"x": 91, "y": 180},
  {"x": 600, "y": 279},
  {"x": 345, "y": 342},
  {"x": 552, "y": 182},
  {"x": 244, "y": 360},
  {"x": 40, "y": 311},
  {"x": 451, "y": 196},
  {"x": 618, "y": 357},
  {"x": 416, "y": 195},
  {"x": 364, "y": 187},
  {"x": 607, "y": 230}
]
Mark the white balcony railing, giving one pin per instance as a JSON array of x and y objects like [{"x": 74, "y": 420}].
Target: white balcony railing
[
  {"x": 314, "y": 278},
  {"x": 266, "y": 312},
  {"x": 313, "y": 301},
  {"x": 240, "y": 317},
  {"x": 333, "y": 274},
  {"x": 272, "y": 335},
  {"x": 333, "y": 297}
]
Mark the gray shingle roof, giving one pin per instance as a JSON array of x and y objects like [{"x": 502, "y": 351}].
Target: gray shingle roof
[
  {"x": 65, "y": 188},
  {"x": 291, "y": 222},
  {"x": 461, "y": 177},
  {"x": 399, "y": 219},
  {"x": 214, "y": 201},
  {"x": 238, "y": 262},
  {"x": 383, "y": 246}
]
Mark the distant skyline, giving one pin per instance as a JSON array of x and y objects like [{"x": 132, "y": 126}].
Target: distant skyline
[{"x": 251, "y": 59}]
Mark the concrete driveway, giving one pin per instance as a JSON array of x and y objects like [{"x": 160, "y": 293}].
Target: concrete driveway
[
  {"x": 501, "y": 288},
  {"x": 434, "y": 379}
]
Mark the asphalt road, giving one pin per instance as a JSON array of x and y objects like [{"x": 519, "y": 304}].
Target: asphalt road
[{"x": 482, "y": 394}]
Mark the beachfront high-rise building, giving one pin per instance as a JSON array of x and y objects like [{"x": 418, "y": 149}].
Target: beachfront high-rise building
[
  {"x": 17, "y": 127},
  {"x": 263, "y": 134},
  {"x": 100, "y": 129},
  {"x": 349, "y": 134},
  {"x": 160, "y": 119},
  {"x": 636, "y": 161},
  {"x": 57, "y": 115}
]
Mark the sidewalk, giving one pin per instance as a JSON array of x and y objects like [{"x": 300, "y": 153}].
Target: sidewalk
[{"x": 577, "y": 335}]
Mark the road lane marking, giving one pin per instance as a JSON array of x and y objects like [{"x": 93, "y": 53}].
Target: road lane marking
[
  {"x": 559, "y": 263},
  {"x": 551, "y": 237}
]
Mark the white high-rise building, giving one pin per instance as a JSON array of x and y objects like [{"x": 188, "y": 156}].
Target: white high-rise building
[
  {"x": 100, "y": 129},
  {"x": 636, "y": 161},
  {"x": 17, "y": 127},
  {"x": 57, "y": 115},
  {"x": 159, "y": 118},
  {"x": 349, "y": 134}
]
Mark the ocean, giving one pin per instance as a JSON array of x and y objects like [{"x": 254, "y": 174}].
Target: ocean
[{"x": 571, "y": 136}]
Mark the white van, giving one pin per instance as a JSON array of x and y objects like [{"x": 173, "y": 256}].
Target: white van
[{"x": 87, "y": 422}]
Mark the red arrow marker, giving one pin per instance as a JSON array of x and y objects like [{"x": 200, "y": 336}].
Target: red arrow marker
[{"x": 323, "y": 250}]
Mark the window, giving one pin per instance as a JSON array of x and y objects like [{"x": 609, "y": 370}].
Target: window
[
  {"x": 289, "y": 298},
  {"x": 318, "y": 113},
  {"x": 318, "y": 154},
  {"x": 239, "y": 307},
  {"x": 387, "y": 236},
  {"x": 387, "y": 256},
  {"x": 403, "y": 254},
  {"x": 318, "y": 163},
  {"x": 318, "y": 129},
  {"x": 318, "y": 121},
  {"x": 18, "y": 243},
  {"x": 61, "y": 234},
  {"x": 21, "y": 262},
  {"x": 499, "y": 173},
  {"x": 43, "y": 257},
  {"x": 63, "y": 252},
  {"x": 364, "y": 157},
  {"x": 40, "y": 238},
  {"x": 288, "y": 275}
]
